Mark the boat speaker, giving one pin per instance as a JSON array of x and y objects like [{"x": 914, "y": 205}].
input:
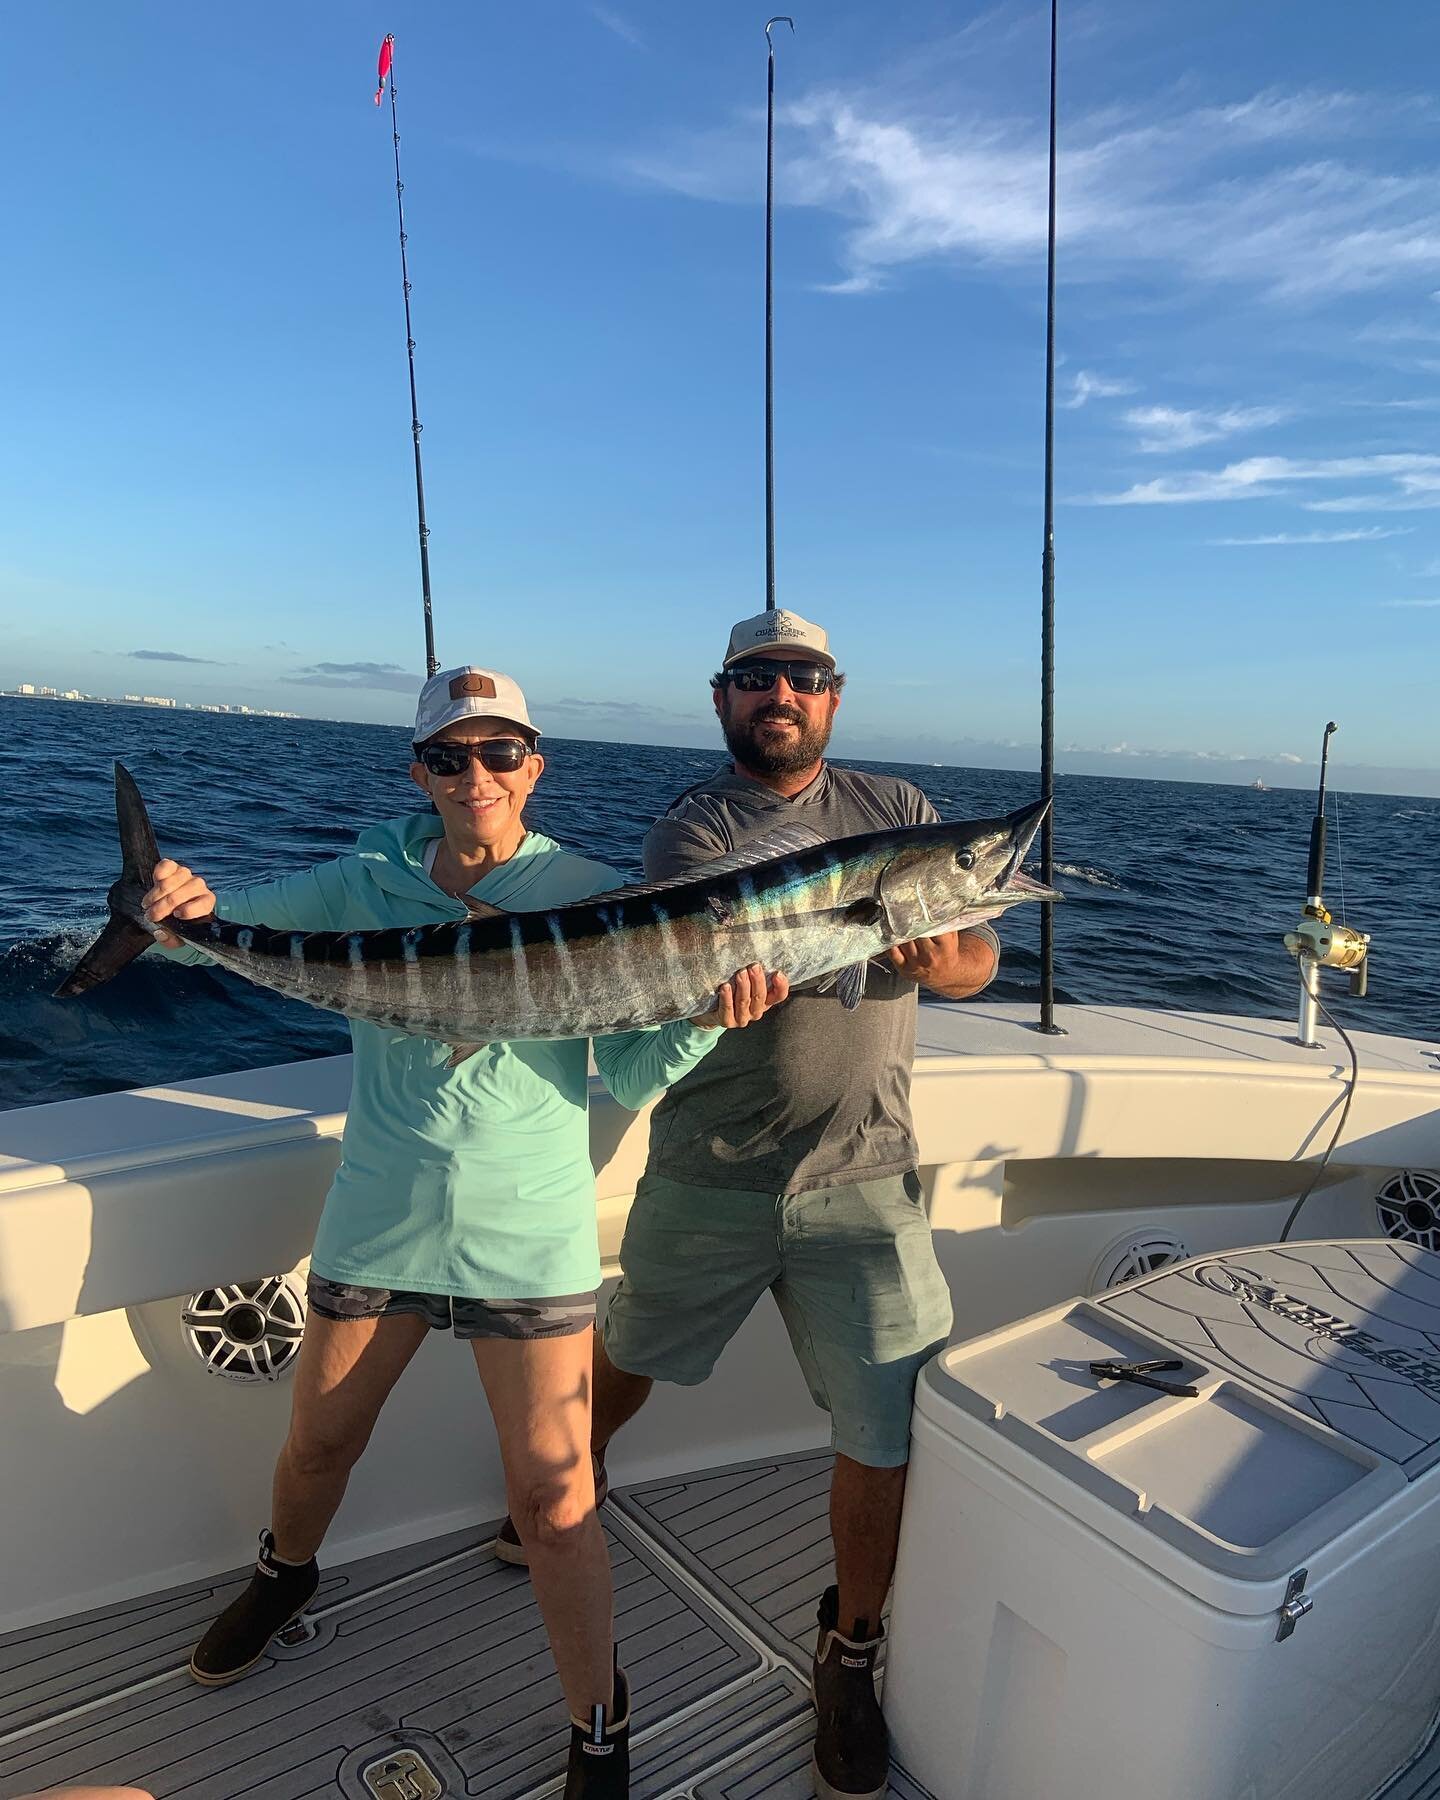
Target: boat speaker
[
  {"x": 249, "y": 1331},
  {"x": 1137, "y": 1253},
  {"x": 1408, "y": 1208}
]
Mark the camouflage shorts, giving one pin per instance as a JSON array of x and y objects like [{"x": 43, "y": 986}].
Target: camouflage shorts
[{"x": 557, "y": 1316}]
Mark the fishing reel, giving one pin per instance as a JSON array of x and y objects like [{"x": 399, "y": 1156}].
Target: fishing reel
[
  {"x": 1330, "y": 946},
  {"x": 1317, "y": 942}
]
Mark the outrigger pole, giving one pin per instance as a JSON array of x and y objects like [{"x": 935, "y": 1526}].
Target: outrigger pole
[
  {"x": 780, "y": 19},
  {"x": 387, "y": 67},
  {"x": 1047, "y": 589}
]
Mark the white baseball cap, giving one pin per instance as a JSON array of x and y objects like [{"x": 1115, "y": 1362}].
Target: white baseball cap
[
  {"x": 776, "y": 632},
  {"x": 469, "y": 693}
]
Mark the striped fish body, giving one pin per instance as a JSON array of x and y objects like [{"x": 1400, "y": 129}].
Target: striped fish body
[{"x": 635, "y": 957}]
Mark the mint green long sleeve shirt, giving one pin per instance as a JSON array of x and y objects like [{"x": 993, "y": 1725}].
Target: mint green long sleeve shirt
[{"x": 473, "y": 1181}]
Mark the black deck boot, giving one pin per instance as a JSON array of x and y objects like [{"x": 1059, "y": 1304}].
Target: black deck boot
[
  {"x": 278, "y": 1592},
  {"x": 600, "y": 1751},
  {"x": 507, "y": 1540},
  {"x": 852, "y": 1745}
]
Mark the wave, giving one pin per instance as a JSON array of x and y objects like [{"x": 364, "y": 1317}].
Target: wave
[
  {"x": 31, "y": 961},
  {"x": 1084, "y": 873},
  {"x": 160, "y": 1021}
]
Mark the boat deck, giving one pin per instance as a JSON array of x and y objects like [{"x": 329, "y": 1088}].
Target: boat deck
[{"x": 439, "y": 1650}]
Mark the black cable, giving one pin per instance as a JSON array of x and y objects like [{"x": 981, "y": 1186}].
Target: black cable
[{"x": 1340, "y": 1126}]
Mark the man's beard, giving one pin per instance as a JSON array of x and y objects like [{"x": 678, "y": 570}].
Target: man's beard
[{"x": 768, "y": 754}]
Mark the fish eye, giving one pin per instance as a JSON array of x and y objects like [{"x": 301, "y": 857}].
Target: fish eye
[{"x": 965, "y": 859}]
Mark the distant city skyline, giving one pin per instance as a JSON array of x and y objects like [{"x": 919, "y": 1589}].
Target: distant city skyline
[
  {"x": 207, "y": 484},
  {"x": 30, "y": 690}
]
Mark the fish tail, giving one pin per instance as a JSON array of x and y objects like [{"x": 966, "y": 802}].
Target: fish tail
[{"x": 124, "y": 937}]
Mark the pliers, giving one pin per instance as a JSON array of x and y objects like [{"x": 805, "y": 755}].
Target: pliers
[{"x": 1143, "y": 1374}]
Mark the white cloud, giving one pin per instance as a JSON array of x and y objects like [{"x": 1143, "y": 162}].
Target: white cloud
[
  {"x": 1416, "y": 488},
  {"x": 1087, "y": 386},
  {"x": 1401, "y": 331},
  {"x": 1426, "y": 603},
  {"x": 1168, "y": 428},
  {"x": 1126, "y": 749},
  {"x": 622, "y": 28},
  {"x": 1252, "y": 479},
  {"x": 1413, "y": 476},
  {"x": 1255, "y": 193},
  {"x": 1364, "y": 534}
]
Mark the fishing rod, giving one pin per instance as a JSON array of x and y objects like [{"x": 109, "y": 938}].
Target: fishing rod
[
  {"x": 780, "y": 19},
  {"x": 1047, "y": 586},
  {"x": 387, "y": 68},
  {"x": 1317, "y": 942}
]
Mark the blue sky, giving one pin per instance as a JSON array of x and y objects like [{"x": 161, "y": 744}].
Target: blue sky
[{"x": 208, "y": 456}]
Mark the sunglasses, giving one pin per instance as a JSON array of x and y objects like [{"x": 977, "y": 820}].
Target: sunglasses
[
  {"x": 759, "y": 676},
  {"x": 501, "y": 756}
]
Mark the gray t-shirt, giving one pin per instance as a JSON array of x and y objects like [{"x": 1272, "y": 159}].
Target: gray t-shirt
[{"x": 812, "y": 1096}]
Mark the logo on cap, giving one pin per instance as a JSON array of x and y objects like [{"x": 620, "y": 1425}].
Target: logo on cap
[{"x": 479, "y": 687}]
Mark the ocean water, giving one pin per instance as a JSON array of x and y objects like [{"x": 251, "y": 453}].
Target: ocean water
[{"x": 1177, "y": 894}]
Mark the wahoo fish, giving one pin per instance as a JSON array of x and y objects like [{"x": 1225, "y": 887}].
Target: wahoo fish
[{"x": 791, "y": 901}]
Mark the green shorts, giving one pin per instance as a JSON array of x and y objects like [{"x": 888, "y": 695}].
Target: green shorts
[{"x": 853, "y": 1272}]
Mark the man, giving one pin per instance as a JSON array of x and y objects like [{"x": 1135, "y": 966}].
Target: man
[{"x": 786, "y": 1160}]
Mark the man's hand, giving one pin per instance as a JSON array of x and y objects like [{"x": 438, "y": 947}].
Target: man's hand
[
  {"x": 956, "y": 964},
  {"x": 177, "y": 890},
  {"x": 747, "y": 996}
]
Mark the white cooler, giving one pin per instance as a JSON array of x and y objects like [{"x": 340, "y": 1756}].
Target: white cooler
[{"x": 1109, "y": 1593}]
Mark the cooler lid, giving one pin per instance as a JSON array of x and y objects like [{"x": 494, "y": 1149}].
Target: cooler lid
[
  {"x": 1346, "y": 1333},
  {"x": 1318, "y": 1375}
]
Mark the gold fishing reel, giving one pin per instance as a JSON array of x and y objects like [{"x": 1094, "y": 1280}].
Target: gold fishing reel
[{"x": 1318, "y": 939}]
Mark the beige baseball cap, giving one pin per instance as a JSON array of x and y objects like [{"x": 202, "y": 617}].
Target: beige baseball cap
[
  {"x": 469, "y": 693},
  {"x": 781, "y": 633}
]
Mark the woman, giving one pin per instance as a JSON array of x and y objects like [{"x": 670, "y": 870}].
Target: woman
[{"x": 464, "y": 1200}]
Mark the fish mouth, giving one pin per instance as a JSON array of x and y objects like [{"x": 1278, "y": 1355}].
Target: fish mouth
[
  {"x": 1019, "y": 883},
  {"x": 1024, "y": 824}
]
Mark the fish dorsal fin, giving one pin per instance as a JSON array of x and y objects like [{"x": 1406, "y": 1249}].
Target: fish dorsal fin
[
  {"x": 481, "y": 909},
  {"x": 784, "y": 840}
]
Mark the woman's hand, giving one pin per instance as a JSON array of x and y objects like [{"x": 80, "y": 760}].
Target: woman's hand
[
  {"x": 747, "y": 996},
  {"x": 180, "y": 891}
]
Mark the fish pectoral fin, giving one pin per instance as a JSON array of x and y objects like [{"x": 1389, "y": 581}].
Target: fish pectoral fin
[
  {"x": 482, "y": 909},
  {"x": 850, "y": 985},
  {"x": 864, "y": 912},
  {"x": 459, "y": 1052},
  {"x": 720, "y": 909}
]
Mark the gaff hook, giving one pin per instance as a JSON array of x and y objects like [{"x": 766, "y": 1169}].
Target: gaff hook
[{"x": 779, "y": 19}]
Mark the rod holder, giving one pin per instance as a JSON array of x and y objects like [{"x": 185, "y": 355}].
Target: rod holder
[
  {"x": 1309, "y": 1009},
  {"x": 1316, "y": 943}
]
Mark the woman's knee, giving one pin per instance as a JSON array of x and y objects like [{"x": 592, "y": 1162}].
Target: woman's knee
[
  {"x": 320, "y": 1452},
  {"x": 551, "y": 1512}
]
